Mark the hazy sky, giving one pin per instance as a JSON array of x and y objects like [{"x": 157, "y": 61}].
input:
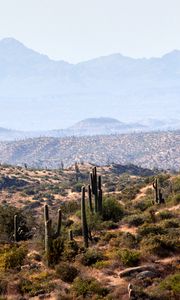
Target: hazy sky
[{"x": 77, "y": 30}]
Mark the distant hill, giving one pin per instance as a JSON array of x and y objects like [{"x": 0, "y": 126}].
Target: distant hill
[
  {"x": 148, "y": 150},
  {"x": 37, "y": 93},
  {"x": 90, "y": 127}
]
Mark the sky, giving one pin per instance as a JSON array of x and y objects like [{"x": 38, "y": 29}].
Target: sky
[{"x": 79, "y": 30}]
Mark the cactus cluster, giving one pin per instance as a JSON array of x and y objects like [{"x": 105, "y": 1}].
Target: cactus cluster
[
  {"x": 49, "y": 236},
  {"x": 93, "y": 189},
  {"x": 96, "y": 189},
  {"x": 158, "y": 196}
]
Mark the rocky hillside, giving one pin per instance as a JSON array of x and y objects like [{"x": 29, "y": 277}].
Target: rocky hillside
[
  {"x": 133, "y": 240},
  {"x": 149, "y": 150}
]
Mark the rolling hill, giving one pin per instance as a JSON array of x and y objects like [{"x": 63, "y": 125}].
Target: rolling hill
[{"x": 149, "y": 150}]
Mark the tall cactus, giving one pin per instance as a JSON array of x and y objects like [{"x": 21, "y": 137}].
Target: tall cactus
[
  {"x": 48, "y": 235},
  {"x": 59, "y": 222},
  {"x": 155, "y": 186},
  {"x": 84, "y": 219},
  {"x": 161, "y": 199},
  {"x": 71, "y": 235},
  {"x": 158, "y": 194},
  {"x": 96, "y": 190},
  {"x": 48, "y": 230},
  {"x": 15, "y": 229},
  {"x": 90, "y": 198}
]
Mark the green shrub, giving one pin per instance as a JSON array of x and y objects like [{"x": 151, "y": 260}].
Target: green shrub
[
  {"x": 66, "y": 272},
  {"x": 12, "y": 257},
  {"x": 3, "y": 286},
  {"x": 88, "y": 286},
  {"x": 112, "y": 210},
  {"x": 35, "y": 287},
  {"x": 176, "y": 184},
  {"x": 91, "y": 256},
  {"x": 109, "y": 225},
  {"x": 176, "y": 199},
  {"x": 108, "y": 236},
  {"x": 102, "y": 264},
  {"x": 128, "y": 240},
  {"x": 160, "y": 245},
  {"x": 146, "y": 230},
  {"x": 57, "y": 248},
  {"x": 171, "y": 283},
  {"x": 172, "y": 223},
  {"x": 128, "y": 257},
  {"x": 143, "y": 205},
  {"x": 165, "y": 214},
  {"x": 134, "y": 220},
  {"x": 70, "y": 250}
]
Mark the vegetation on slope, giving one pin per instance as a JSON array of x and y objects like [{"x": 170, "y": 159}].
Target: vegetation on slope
[{"x": 132, "y": 240}]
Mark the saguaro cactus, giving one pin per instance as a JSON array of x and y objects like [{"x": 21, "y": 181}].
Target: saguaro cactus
[
  {"x": 48, "y": 235},
  {"x": 90, "y": 198},
  {"x": 70, "y": 235},
  {"x": 93, "y": 176},
  {"x": 161, "y": 199},
  {"x": 15, "y": 229},
  {"x": 59, "y": 222},
  {"x": 155, "y": 186},
  {"x": 48, "y": 229},
  {"x": 158, "y": 194},
  {"x": 96, "y": 190},
  {"x": 83, "y": 218}
]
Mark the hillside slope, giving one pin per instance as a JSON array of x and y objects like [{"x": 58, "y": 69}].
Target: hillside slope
[
  {"x": 133, "y": 240},
  {"x": 151, "y": 150}
]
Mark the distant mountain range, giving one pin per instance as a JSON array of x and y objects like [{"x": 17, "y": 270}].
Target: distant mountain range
[
  {"x": 90, "y": 127},
  {"x": 37, "y": 93}
]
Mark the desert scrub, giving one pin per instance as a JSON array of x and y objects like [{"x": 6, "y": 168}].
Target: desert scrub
[
  {"x": 146, "y": 229},
  {"x": 91, "y": 257},
  {"x": 56, "y": 251},
  {"x": 160, "y": 245},
  {"x": 35, "y": 287},
  {"x": 134, "y": 220},
  {"x": 112, "y": 210},
  {"x": 171, "y": 284},
  {"x": 165, "y": 214},
  {"x": 103, "y": 264},
  {"x": 109, "y": 225},
  {"x": 66, "y": 272},
  {"x": 3, "y": 286},
  {"x": 71, "y": 249},
  {"x": 107, "y": 236},
  {"x": 170, "y": 223},
  {"x": 124, "y": 240},
  {"x": 129, "y": 258},
  {"x": 88, "y": 286},
  {"x": 12, "y": 257}
]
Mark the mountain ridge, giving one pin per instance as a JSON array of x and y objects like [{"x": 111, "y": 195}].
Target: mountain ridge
[{"x": 37, "y": 93}]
